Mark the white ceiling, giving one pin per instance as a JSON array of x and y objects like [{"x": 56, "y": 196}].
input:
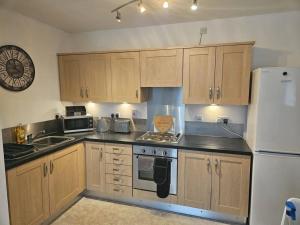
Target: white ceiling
[{"x": 89, "y": 15}]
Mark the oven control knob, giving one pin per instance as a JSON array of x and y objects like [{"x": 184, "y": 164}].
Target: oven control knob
[
  {"x": 165, "y": 153},
  {"x": 154, "y": 152},
  {"x": 144, "y": 150}
]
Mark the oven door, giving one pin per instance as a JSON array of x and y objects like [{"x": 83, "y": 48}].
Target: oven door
[{"x": 143, "y": 174}]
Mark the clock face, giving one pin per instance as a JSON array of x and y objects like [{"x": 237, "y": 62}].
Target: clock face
[{"x": 16, "y": 68}]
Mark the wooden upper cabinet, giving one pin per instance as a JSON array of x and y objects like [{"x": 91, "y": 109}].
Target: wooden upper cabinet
[
  {"x": 194, "y": 179},
  {"x": 28, "y": 193},
  {"x": 97, "y": 77},
  {"x": 125, "y": 77},
  {"x": 199, "y": 75},
  {"x": 230, "y": 184},
  {"x": 232, "y": 79},
  {"x": 85, "y": 77},
  {"x": 161, "y": 68},
  {"x": 71, "y": 78}
]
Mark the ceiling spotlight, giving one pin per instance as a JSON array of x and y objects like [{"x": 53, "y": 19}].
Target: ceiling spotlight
[
  {"x": 141, "y": 7},
  {"x": 118, "y": 17},
  {"x": 166, "y": 4},
  {"x": 194, "y": 5}
]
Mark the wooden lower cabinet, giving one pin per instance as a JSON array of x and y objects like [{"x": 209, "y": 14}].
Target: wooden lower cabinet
[
  {"x": 28, "y": 193},
  {"x": 40, "y": 188},
  {"x": 230, "y": 184},
  {"x": 95, "y": 167},
  {"x": 216, "y": 182},
  {"x": 194, "y": 183}
]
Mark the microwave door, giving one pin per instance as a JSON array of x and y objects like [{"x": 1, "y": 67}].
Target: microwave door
[{"x": 76, "y": 124}]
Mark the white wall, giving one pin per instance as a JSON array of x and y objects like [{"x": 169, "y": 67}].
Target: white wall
[
  {"x": 277, "y": 44},
  {"x": 41, "y": 100}
]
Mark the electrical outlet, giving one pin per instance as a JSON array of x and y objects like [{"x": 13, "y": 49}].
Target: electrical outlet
[
  {"x": 223, "y": 120},
  {"x": 203, "y": 30},
  {"x": 198, "y": 117}
]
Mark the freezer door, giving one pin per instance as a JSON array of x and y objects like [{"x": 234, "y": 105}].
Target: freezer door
[
  {"x": 278, "y": 110},
  {"x": 276, "y": 178}
]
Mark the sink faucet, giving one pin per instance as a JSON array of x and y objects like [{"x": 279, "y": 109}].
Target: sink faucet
[{"x": 30, "y": 137}]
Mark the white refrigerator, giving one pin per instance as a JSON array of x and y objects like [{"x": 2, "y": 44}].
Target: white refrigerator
[{"x": 273, "y": 134}]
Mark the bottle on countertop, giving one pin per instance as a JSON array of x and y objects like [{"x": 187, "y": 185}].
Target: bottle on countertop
[{"x": 20, "y": 134}]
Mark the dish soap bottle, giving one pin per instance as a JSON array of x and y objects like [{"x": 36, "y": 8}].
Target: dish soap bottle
[{"x": 20, "y": 134}]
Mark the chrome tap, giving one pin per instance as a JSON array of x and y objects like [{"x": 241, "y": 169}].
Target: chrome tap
[{"x": 30, "y": 137}]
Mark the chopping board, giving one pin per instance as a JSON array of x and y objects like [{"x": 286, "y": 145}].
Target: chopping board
[{"x": 163, "y": 123}]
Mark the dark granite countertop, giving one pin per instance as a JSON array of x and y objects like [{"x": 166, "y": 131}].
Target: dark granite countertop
[{"x": 189, "y": 142}]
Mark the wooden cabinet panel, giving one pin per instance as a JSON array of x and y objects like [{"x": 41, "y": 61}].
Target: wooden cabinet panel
[
  {"x": 118, "y": 169},
  {"x": 230, "y": 184},
  {"x": 70, "y": 77},
  {"x": 118, "y": 190},
  {"x": 28, "y": 193},
  {"x": 194, "y": 179},
  {"x": 97, "y": 77},
  {"x": 82, "y": 168},
  {"x": 198, "y": 75},
  {"x": 63, "y": 178},
  {"x": 118, "y": 149},
  {"x": 95, "y": 167},
  {"x": 125, "y": 77},
  {"x": 161, "y": 68},
  {"x": 118, "y": 159},
  {"x": 118, "y": 180},
  {"x": 232, "y": 79}
]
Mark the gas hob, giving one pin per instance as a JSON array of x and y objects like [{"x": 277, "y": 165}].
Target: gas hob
[{"x": 157, "y": 137}]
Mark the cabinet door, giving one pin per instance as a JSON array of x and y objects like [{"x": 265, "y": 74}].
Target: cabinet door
[
  {"x": 64, "y": 177},
  {"x": 72, "y": 83},
  {"x": 97, "y": 77},
  {"x": 95, "y": 164},
  {"x": 28, "y": 193},
  {"x": 230, "y": 186},
  {"x": 194, "y": 179},
  {"x": 232, "y": 80},
  {"x": 199, "y": 75},
  {"x": 161, "y": 68},
  {"x": 125, "y": 71}
]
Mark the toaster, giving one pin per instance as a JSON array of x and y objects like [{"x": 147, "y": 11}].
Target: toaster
[{"x": 121, "y": 125}]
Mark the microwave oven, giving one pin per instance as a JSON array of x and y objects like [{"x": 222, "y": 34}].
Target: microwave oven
[{"x": 72, "y": 124}]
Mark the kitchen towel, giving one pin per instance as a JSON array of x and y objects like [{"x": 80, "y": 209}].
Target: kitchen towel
[{"x": 162, "y": 176}]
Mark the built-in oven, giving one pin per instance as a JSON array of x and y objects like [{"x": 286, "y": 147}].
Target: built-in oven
[
  {"x": 143, "y": 169},
  {"x": 73, "y": 124}
]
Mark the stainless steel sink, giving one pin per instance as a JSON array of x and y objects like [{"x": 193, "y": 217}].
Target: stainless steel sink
[{"x": 50, "y": 141}]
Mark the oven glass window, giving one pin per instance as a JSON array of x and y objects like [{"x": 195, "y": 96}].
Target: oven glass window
[
  {"x": 145, "y": 168},
  {"x": 76, "y": 124}
]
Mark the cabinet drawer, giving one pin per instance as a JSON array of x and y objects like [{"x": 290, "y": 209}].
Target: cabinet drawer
[
  {"x": 118, "y": 159},
  {"x": 119, "y": 190},
  {"x": 117, "y": 179},
  {"x": 118, "y": 169},
  {"x": 118, "y": 149},
  {"x": 94, "y": 146}
]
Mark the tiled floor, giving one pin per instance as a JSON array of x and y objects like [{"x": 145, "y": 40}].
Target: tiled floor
[{"x": 96, "y": 212}]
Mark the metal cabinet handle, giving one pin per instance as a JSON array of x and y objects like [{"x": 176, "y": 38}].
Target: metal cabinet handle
[
  {"x": 87, "y": 92},
  {"x": 136, "y": 93},
  {"x": 208, "y": 165},
  {"x": 218, "y": 92},
  {"x": 51, "y": 167},
  {"x": 81, "y": 93},
  {"x": 217, "y": 167},
  {"x": 45, "y": 169},
  {"x": 117, "y": 179},
  {"x": 210, "y": 93},
  {"x": 117, "y": 190},
  {"x": 95, "y": 148},
  {"x": 101, "y": 154},
  {"x": 117, "y": 170},
  {"x": 116, "y": 159}
]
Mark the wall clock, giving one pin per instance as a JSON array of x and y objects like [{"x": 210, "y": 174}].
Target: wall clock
[{"x": 16, "y": 68}]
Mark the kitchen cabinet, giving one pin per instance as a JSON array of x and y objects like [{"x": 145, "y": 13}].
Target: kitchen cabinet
[
  {"x": 213, "y": 181},
  {"x": 95, "y": 167},
  {"x": 28, "y": 193},
  {"x": 199, "y": 75},
  {"x": 85, "y": 77},
  {"x": 42, "y": 187},
  {"x": 194, "y": 179},
  {"x": 64, "y": 179},
  {"x": 230, "y": 184},
  {"x": 161, "y": 68},
  {"x": 125, "y": 78},
  {"x": 219, "y": 75}
]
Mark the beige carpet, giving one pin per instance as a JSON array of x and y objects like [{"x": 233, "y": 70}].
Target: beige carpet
[{"x": 96, "y": 212}]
